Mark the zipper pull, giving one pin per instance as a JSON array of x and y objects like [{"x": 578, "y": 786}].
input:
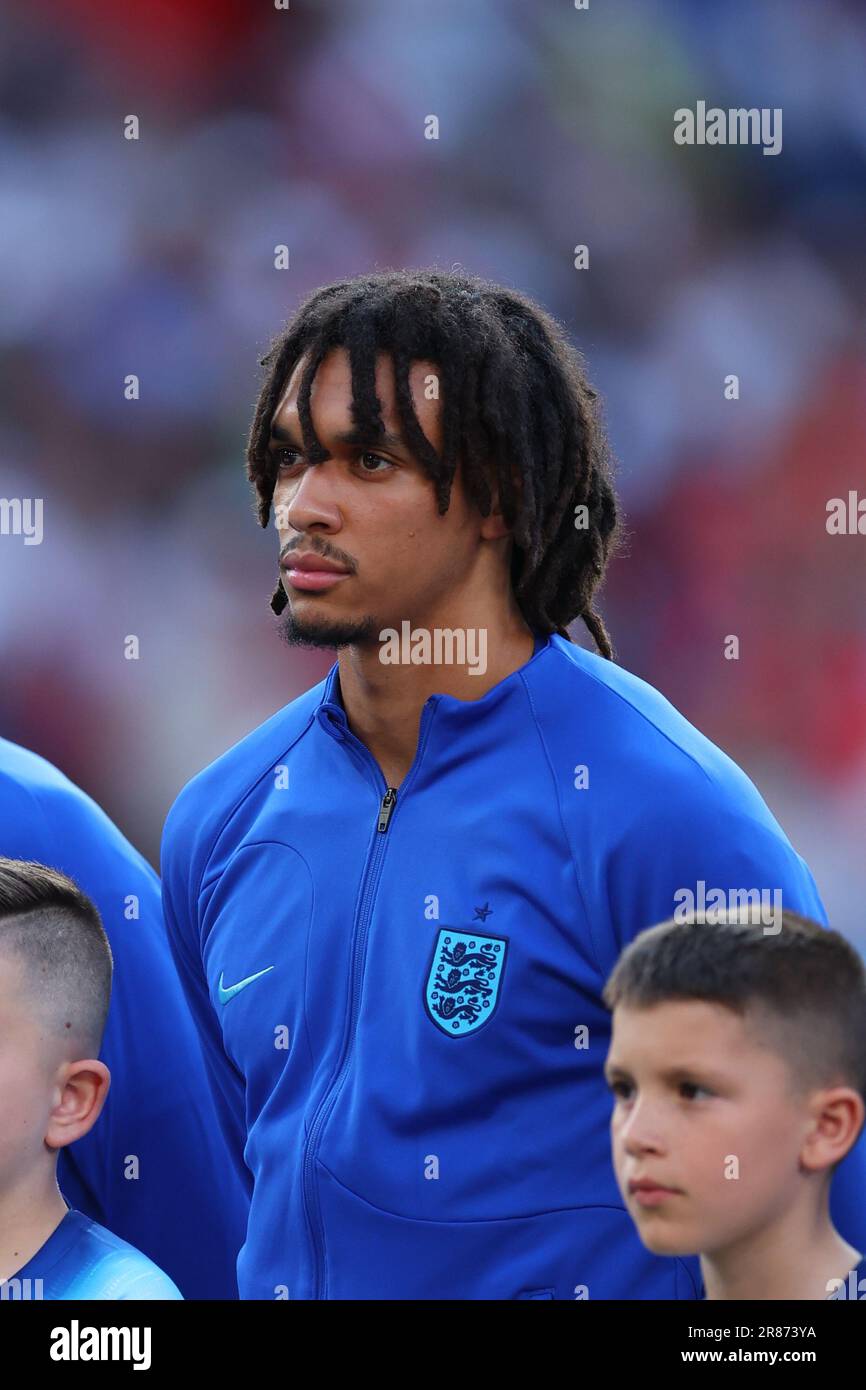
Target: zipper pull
[{"x": 385, "y": 809}]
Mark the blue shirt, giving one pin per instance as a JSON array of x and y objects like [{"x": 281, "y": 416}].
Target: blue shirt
[
  {"x": 154, "y": 1168},
  {"x": 83, "y": 1260},
  {"x": 399, "y": 998}
]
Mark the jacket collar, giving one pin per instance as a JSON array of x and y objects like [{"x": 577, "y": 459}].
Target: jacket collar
[{"x": 331, "y": 712}]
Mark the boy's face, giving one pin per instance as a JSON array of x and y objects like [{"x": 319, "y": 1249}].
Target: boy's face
[
  {"x": 46, "y": 1097},
  {"x": 706, "y": 1112}
]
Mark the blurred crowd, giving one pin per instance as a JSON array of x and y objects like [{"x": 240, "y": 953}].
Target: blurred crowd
[{"x": 305, "y": 127}]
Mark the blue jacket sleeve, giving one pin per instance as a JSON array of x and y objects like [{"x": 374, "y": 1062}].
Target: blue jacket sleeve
[{"x": 154, "y": 1169}]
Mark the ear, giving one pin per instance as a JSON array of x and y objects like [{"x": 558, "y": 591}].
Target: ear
[
  {"x": 493, "y": 527},
  {"x": 82, "y": 1087},
  {"x": 837, "y": 1119}
]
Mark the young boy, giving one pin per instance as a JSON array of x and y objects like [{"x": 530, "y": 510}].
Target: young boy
[
  {"x": 738, "y": 1066},
  {"x": 55, "y": 984}
]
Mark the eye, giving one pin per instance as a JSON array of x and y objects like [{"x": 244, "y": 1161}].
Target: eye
[
  {"x": 621, "y": 1089},
  {"x": 285, "y": 458},
  {"x": 377, "y": 458},
  {"x": 689, "y": 1090}
]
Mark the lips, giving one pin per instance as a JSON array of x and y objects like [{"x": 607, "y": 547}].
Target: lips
[
  {"x": 310, "y": 572},
  {"x": 311, "y": 563},
  {"x": 649, "y": 1193}
]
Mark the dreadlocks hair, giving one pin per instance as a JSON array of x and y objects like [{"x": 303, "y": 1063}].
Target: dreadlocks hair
[{"x": 517, "y": 412}]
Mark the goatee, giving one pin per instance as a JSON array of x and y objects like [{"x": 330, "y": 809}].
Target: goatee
[{"x": 324, "y": 632}]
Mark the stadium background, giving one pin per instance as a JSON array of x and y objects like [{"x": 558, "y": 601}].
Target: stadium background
[{"x": 305, "y": 127}]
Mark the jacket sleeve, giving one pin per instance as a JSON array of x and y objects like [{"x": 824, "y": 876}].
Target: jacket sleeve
[{"x": 695, "y": 836}]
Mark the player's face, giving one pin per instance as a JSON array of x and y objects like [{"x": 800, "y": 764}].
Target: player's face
[
  {"x": 25, "y": 1079},
  {"x": 707, "y": 1113},
  {"x": 371, "y": 510}
]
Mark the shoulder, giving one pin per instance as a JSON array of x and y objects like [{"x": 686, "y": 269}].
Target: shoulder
[
  {"x": 46, "y": 817},
  {"x": 29, "y": 784},
  {"x": 638, "y": 749},
  {"x": 209, "y": 799},
  {"x": 655, "y": 815},
  {"x": 650, "y": 806},
  {"x": 113, "y": 1269}
]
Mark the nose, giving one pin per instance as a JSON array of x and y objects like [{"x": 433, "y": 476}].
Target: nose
[
  {"x": 639, "y": 1131},
  {"x": 309, "y": 501}
]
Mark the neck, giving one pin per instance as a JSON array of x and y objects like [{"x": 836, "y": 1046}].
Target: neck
[
  {"x": 792, "y": 1258},
  {"x": 31, "y": 1209},
  {"x": 384, "y": 700}
]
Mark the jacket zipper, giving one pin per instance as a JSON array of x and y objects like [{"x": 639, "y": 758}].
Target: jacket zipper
[
  {"x": 385, "y": 809},
  {"x": 367, "y": 895}
]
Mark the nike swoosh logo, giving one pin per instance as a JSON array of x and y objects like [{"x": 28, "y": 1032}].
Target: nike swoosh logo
[{"x": 224, "y": 995}]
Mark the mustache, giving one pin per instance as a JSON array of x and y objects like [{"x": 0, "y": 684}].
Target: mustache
[{"x": 339, "y": 557}]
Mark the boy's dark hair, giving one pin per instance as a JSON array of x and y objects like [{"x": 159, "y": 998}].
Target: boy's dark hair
[
  {"x": 515, "y": 404},
  {"x": 806, "y": 981},
  {"x": 56, "y": 932}
]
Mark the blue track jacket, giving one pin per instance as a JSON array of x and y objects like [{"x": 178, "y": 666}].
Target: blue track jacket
[
  {"x": 392, "y": 988},
  {"x": 185, "y": 1204}
]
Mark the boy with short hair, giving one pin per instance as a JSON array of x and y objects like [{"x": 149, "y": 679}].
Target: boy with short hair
[
  {"x": 738, "y": 1065},
  {"x": 55, "y": 985}
]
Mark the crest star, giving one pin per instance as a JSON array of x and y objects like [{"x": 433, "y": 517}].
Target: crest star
[{"x": 482, "y": 913}]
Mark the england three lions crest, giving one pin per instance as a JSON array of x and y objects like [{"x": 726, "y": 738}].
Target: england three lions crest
[{"x": 463, "y": 981}]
